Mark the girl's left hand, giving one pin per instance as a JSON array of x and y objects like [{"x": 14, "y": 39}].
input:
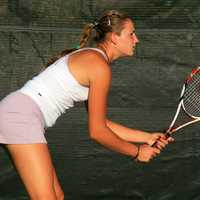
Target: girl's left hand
[{"x": 160, "y": 140}]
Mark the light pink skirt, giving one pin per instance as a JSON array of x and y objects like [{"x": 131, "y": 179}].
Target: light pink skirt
[{"x": 21, "y": 121}]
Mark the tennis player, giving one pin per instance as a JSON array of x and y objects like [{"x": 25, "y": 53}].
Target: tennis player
[{"x": 74, "y": 75}]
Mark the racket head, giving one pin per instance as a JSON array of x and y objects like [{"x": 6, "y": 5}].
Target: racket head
[
  {"x": 191, "y": 96},
  {"x": 188, "y": 110}
]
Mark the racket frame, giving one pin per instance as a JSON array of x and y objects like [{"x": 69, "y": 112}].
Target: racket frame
[{"x": 171, "y": 130}]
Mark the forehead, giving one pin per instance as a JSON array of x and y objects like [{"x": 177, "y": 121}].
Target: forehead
[{"x": 128, "y": 26}]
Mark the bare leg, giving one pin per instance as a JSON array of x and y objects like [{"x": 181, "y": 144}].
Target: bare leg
[
  {"x": 57, "y": 187},
  {"x": 35, "y": 168}
]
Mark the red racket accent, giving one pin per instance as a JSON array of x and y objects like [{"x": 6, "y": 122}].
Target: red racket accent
[
  {"x": 188, "y": 110},
  {"x": 194, "y": 71}
]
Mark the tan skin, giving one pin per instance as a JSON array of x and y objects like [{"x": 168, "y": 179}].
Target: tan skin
[
  {"x": 96, "y": 74},
  {"x": 90, "y": 69}
]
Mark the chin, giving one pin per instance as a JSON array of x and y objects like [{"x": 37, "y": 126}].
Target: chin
[
  {"x": 131, "y": 53},
  {"x": 128, "y": 53}
]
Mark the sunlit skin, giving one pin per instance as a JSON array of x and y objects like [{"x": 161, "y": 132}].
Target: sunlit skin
[
  {"x": 127, "y": 40},
  {"x": 91, "y": 70},
  {"x": 117, "y": 46}
]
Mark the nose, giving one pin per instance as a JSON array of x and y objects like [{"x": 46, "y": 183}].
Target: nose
[{"x": 135, "y": 38}]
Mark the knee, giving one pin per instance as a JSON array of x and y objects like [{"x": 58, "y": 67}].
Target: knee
[{"x": 60, "y": 196}]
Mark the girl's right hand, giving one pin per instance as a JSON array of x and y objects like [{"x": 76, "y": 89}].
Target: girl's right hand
[{"x": 146, "y": 153}]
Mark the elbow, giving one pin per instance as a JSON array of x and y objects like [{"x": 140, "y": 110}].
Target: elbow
[{"x": 96, "y": 134}]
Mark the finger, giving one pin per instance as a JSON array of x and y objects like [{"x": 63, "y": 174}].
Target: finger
[
  {"x": 164, "y": 141},
  {"x": 154, "y": 155},
  {"x": 161, "y": 144},
  {"x": 159, "y": 135},
  {"x": 162, "y": 135},
  {"x": 156, "y": 150},
  {"x": 170, "y": 139}
]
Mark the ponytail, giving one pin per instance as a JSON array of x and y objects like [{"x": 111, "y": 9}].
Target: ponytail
[
  {"x": 111, "y": 21},
  {"x": 85, "y": 36},
  {"x": 61, "y": 54}
]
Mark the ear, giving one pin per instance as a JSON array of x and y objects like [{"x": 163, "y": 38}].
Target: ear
[{"x": 114, "y": 38}]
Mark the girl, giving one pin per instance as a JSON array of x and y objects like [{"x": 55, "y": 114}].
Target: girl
[{"x": 74, "y": 75}]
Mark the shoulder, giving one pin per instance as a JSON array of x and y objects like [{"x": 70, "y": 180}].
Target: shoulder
[
  {"x": 98, "y": 67},
  {"x": 94, "y": 63}
]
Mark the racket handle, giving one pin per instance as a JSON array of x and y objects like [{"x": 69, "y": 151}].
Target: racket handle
[
  {"x": 153, "y": 145},
  {"x": 167, "y": 135}
]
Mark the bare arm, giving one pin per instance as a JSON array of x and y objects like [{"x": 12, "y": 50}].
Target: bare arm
[
  {"x": 139, "y": 136},
  {"x": 128, "y": 134},
  {"x": 125, "y": 133},
  {"x": 99, "y": 86},
  {"x": 99, "y": 78}
]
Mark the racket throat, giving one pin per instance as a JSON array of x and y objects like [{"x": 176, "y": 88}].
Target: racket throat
[{"x": 181, "y": 119}]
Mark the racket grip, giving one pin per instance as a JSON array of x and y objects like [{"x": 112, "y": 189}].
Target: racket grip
[
  {"x": 153, "y": 145},
  {"x": 167, "y": 135}
]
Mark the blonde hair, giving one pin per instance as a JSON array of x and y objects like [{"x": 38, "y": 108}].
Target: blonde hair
[{"x": 110, "y": 21}]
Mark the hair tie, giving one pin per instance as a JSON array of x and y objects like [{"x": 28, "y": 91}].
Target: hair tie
[
  {"x": 95, "y": 24},
  {"x": 77, "y": 46},
  {"x": 109, "y": 21}
]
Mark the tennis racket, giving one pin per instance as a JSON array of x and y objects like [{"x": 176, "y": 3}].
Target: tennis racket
[{"x": 188, "y": 110}]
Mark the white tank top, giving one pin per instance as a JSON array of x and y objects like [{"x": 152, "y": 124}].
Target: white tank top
[{"x": 55, "y": 89}]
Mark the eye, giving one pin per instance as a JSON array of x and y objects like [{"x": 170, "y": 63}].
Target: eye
[{"x": 132, "y": 33}]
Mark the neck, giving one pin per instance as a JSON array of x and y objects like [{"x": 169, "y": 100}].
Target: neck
[{"x": 109, "y": 52}]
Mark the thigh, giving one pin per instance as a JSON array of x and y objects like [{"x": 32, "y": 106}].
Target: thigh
[{"x": 35, "y": 168}]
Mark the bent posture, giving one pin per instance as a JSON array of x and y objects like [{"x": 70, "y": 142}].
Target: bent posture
[{"x": 81, "y": 74}]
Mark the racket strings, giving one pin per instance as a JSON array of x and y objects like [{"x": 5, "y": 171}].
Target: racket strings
[
  {"x": 181, "y": 119},
  {"x": 191, "y": 98}
]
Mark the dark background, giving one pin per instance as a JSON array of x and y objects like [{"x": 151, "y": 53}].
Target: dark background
[{"x": 144, "y": 93}]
